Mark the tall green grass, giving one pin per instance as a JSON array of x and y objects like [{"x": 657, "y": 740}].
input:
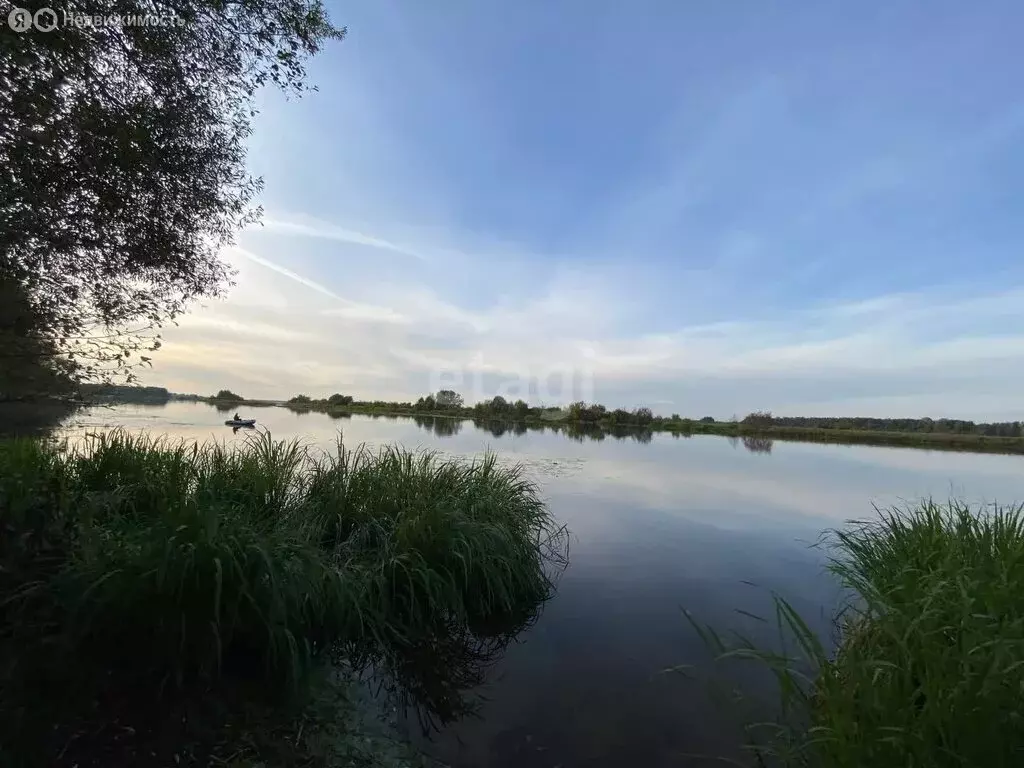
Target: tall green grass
[
  {"x": 132, "y": 564},
  {"x": 929, "y": 665}
]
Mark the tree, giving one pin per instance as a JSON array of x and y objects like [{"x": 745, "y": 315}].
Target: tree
[
  {"x": 447, "y": 398},
  {"x": 122, "y": 166},
  {"x": 580, "y": 411},
  {"x": 300, "y": 400},
  {"x": 758, "y": 419},
  {"x": 621, "y": 416},
  {"x": 30, "y": 364},
  {"x": 337, "y": 399},
  {"x": 643, "y": 416}
]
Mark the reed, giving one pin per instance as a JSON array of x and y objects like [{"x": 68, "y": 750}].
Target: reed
[
  {"x": 135, "y": 563},
  {"x": 929, "y": 665}
]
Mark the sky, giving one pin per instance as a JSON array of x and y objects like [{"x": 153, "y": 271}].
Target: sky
[{"x": 704, "y": 208}]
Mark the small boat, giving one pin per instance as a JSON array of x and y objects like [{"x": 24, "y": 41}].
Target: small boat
[{"x": 241, "y": 422}]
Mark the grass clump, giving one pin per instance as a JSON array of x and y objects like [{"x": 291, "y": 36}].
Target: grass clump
[
  {"x": 928, "y": 667},
  {"x": 139, "y": 576}
]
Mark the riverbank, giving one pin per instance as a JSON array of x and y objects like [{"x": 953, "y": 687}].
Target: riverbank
[
  {"x": 929, "y": 661},
  {"x": 166, "y": 603},
  {"x": 626, "y": 423}
]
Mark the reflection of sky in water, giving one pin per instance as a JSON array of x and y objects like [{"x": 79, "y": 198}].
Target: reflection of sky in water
[{"x": 656, "y": 527}]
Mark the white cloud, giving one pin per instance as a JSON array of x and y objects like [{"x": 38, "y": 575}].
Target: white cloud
[{"x": 280, "y": 332}]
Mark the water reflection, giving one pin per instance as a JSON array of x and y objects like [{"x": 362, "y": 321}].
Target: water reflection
[
  {"x": 33, "y": 419},
  {"x": 436, "y": 677},
  {"x": 445, "y": 427},
  {"x": 437, "y": 425},
  {"x": 659, "y": 521},
  {"x": 758, "y": 444},
  {"x": 582, "y": 432},
  {"x": 436, "y": 673}
]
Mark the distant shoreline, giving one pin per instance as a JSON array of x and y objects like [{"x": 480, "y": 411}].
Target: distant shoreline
[{"x": 971, "y": 443}]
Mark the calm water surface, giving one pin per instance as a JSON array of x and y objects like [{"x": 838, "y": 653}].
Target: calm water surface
[{"x": 703, "y": 523}]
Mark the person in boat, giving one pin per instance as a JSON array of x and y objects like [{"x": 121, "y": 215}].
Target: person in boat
[{"x": 237, "y": 418}]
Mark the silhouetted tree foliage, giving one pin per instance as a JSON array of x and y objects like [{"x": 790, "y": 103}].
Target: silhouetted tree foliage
[
  {"x": 447, "y": 398},
  {"x": 123, "y": 173},
  {"x": 337, "y": 399},
  {"x": 227, "y": 394},
  {"x": 707, "y": 419},
  {"x": 30, "y": 362},
  {"x": 300, "y": 400}
]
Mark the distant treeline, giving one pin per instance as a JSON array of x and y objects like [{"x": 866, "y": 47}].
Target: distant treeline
[
  {"x": 925, "y": 425},
  {"x": 124, "y": 394},
  {"x": 593, "y": 421},
  {"x": 450, "y": 403}
]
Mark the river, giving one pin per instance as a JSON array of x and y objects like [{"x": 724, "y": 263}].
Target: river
[{"x": 703, "y": 523}]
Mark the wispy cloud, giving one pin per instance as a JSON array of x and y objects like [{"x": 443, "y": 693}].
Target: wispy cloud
[
  {"x": 400, "y": 346},
  {"x": 306, "y": 227},
  {"x": 263, "y": 262}
]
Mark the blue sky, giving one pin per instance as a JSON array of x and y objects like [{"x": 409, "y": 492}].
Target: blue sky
[{"x": 707, "y": 208}]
